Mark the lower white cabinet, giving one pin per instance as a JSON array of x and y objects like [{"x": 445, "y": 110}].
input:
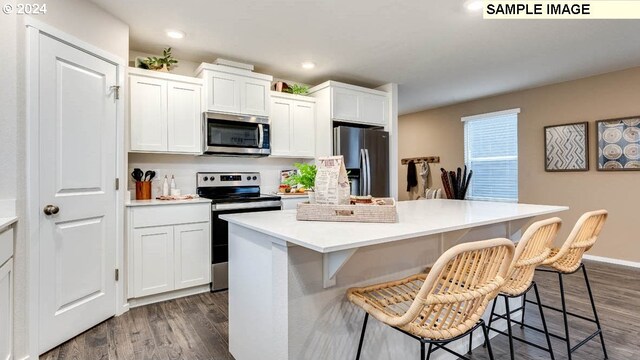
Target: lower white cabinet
[
  {"x": 293, "y": 125},
  {"x": 171, "y": 248},
  {"x": 6, "y": 310}
]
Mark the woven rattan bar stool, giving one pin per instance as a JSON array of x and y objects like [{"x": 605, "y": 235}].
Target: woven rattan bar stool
[
  {"x": 568, "y": 260},
  {"x": 444, "y": 304},
  {"x": 532, "y": 250}
]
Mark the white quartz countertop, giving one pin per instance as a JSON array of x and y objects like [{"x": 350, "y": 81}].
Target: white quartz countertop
[
  {"x": 415, "y": 218},
  {"x": 5, "y": 222},
  {"x": 154, "y": 202}
]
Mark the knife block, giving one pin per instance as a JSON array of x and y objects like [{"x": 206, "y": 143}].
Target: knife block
[{"x": 143, "y": 190}]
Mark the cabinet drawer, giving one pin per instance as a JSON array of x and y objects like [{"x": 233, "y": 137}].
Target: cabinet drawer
[
  {"x": 6, "y": 245},
  {"x": 160, "y": 215}
]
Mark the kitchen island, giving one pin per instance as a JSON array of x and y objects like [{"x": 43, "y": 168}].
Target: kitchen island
[{"x": 288, "y": 278}]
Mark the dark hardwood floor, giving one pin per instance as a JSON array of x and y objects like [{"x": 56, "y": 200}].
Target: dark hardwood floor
[{"x": 196, "y": 327}]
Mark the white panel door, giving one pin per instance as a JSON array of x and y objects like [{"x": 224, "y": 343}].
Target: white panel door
[
  {"x": 6, "y": 310},
  {"x": 148, "y": 114},
  {"x": 373, "y": 109},
  {"x": 345, "y": 104},
  {"x": 77, "y": 156},
  {"x": 223, "y": 92},
  {"x": 281, "y": 124},
  {"x": 254, "y": 96},
  {"x": 185, "y": 117},
  {"x": 304, "y": 126},
  {"x": 153, "y": 260},
  {"x": 192, "y": 252}
]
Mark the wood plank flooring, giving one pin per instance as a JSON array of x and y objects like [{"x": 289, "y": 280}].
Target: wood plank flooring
[{"x": 196, "y": 327}]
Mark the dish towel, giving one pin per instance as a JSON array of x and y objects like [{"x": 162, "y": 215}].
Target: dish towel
[{"x": 412, "y": 175}]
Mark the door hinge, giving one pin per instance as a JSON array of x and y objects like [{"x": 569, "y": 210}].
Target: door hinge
[
  {"x": 117, "y": 274},
  {"x": 117, "y": 183},
  {"x": 116, "y": 91}
]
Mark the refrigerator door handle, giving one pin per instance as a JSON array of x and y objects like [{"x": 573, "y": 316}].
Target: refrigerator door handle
[
  {"x": 366, "y": 154},
  {"x": 363, "y": 173}
]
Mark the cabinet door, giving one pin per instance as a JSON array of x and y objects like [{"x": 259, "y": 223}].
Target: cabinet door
[
  {"x": 254, "y": 96},
  {"x": 345, "y": 104},
  {"x": 304, "y": 126},
  {"x": 184, "y": 118},
  {"x": 223, "y": 92},
  {"x": 148, "y": 116},
  {"x": 6, "y": 310},
  {"x": 192, "y": 249},
  {"x": 281, "y": 121},
  {"x": 373, "y": 109},
  {"x": 153, "y": 256}
]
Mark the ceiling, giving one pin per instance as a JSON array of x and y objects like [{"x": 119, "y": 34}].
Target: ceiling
[{"x": 435, "y": 50}]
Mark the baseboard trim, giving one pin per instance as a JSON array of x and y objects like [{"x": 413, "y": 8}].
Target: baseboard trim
[
  {"x": 613, "y": 261},
  {"x": 135, "y": 302}
]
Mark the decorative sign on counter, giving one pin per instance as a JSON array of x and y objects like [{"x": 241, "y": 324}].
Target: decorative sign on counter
[{"x": 332, "y": 183}]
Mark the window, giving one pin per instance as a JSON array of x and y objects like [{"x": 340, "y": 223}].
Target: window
[{"x": 491, "y": 151}]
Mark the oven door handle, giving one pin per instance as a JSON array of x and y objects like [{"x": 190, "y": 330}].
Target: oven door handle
[
  {"x": 261, "y": 135},
  {"x": 247, "y": 205}
]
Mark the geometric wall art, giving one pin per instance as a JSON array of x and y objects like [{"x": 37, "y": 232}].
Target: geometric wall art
[
  {"x": 619, "y": 144},
  {"x": 566, "y": 147}
]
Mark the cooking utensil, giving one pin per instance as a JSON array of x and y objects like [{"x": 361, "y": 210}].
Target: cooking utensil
[
  {"x": 147, "y": 174},
  {"x": 153, "y": 174},
  {"x": 137, "y": 174}
]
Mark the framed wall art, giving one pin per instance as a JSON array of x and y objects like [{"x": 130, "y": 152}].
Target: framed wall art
[
  {"x": 566, "y": 147},
  {"x": 619, "y": 144}
]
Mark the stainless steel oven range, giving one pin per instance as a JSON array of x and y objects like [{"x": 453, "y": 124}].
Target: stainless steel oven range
[{"x": 230, "y": 193}]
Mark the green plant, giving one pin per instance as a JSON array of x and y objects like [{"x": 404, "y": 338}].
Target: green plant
[
  {"x": 155, "y": 63},
  {"x": 298, "y": 89},
  {"x": 305, "y": 176}
]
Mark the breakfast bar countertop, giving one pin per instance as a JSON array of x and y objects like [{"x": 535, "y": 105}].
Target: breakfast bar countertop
[{"x": 416, "y": 218}]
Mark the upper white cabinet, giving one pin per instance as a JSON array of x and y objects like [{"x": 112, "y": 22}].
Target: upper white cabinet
[
  {"x": 293, "y": 123},
  {"x": 235, "y": 91},
  {"x": 165, "y": 112},
  {"x": 346, "y": 103},
  {"x": 355, "y": 104}
]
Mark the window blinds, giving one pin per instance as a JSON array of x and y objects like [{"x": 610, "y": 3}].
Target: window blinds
[{"x": 491, "y": 151}]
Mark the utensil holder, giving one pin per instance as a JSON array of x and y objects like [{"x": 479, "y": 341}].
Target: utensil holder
[{"x": 143, "y": 190}]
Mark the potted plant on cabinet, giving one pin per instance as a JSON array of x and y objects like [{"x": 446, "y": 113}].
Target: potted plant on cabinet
[
  {"x": 306, "y": 178},
  {"x": 163, "y": 63}
]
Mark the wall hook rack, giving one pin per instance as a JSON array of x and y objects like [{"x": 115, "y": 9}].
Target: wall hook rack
[{"x": 422, "y": 159}]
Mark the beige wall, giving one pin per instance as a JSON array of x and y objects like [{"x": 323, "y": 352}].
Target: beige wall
[{"x": 440, "y": 132}]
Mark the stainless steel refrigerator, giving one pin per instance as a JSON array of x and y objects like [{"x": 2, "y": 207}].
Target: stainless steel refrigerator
[{"x": 366, "y": 157}]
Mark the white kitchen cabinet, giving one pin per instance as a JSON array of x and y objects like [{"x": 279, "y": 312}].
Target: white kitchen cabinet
[
  {"x": 6, "y": 293},
  {"x": 235, "y": 91},
  {"x": 153, "y": 257},
  {"x": 170, "y": 247},
  {"x": 191, "y": 254},
  {"x": 184, "y": 105},
  {"x": 165, "y": 112},
  {"x": 353, "y": 104},
  {"x": 293, "y": 124},
  {"x": 148, "y": 113}
]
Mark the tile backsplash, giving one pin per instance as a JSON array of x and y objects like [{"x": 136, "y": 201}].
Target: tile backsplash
[{"x": 185, "y": 167}]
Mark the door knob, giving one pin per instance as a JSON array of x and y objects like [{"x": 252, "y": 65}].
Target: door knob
[{"x": 51, "y": 210}]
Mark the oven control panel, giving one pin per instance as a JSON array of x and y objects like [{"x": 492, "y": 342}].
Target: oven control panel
[{"x": 215, "y": 179}]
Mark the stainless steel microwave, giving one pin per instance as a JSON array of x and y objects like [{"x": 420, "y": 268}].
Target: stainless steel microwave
[{"x": 236, "y": 135}]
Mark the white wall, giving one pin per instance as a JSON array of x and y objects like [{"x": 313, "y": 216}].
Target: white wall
[
  {"x": 184, "y": 167},
  {"x": 84, "y": 21}
]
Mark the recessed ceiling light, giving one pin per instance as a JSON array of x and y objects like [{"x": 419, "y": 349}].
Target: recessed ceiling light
[
  {"x": 175, "y": 34},
  {"x": 308, "y": 65},
  {"x": 473, "y": 5}
]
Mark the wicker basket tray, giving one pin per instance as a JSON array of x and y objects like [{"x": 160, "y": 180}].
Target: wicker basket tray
[{"x": 351, "y": 213}]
